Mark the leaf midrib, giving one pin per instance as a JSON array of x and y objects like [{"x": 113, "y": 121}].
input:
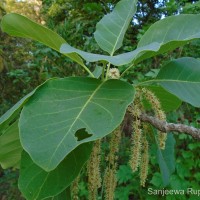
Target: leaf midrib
[
  {"x": 121, "y": 32},
  {"x": 167, "y": 80},
  {"x": 173, "y": 80}
]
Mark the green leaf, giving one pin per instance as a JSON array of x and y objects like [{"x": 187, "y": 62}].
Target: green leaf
[
  {"x": 10, "y": 147},
  {"x": 124, "y": 174},
  {"x": 65, "y": 195},
  {"x": 122, "y": 192},
  {"x": 179, "y": 184},
  {"x": 181, "y": 77},
  {"x": 97, "y": 71},
  {"x": 171, "y": 32},
  {"x": 110, "y": 30},
  {"x": 156, "y": 180},
  {"x": 12, "y": 113},
  {"x": 168, "y": 101},
  {"x": 62, "y": 110},
  {"x": 36, "y": 184},
  {"x": 165, "y": 35},
  {"x": 117, "y": 60},
  {"x": 166, "y": 159},
  {"x": 20, "y": 26}
]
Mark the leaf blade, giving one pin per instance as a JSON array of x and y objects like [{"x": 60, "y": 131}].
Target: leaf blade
[
  {"x": 117, "y": 60},
  {"x": 181, "y": 78},
  {"x": 20, "y": 26},
  {"x": 51, "y": 120},
  {"x": 65, "y": 195},
  {"x": 168, "y": 101},
  {"x": 35, "y": 183},
  {"x": 110, "y": 30},
  {"x": 171, "y": 32},
  {"x": 166, "y": 159},
  {"x": 10, "y": 147}
]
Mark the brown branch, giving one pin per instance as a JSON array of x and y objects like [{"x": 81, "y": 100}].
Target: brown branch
[{"x": 167, "y": 127}]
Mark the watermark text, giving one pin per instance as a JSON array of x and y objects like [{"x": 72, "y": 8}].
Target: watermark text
[{"x": 165, "y": 192}]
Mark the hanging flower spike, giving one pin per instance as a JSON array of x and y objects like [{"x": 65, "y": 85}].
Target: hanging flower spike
[
  {"x": 156, "y": 106},
  {"x": 93, "y": 170},
  {"x": 137, "y": 134},
  {"x": 110, "y": 180},
  {"x": 144, "y": 159},
  {"x": 75, "y": 188}
]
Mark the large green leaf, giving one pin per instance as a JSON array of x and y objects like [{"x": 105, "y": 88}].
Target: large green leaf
[
  {"x": 12, "y": 113},
  {"x": 37, "y": 184},
  {"x": 117, "y": 60},
  {"x": 110, "y": 30},
  {"x": 181, "y": 77},
  {"x": 165, "y": 35},
  {"x": 10, "y": 147},
  {"x": 169, "y": 102},
  {"x": 63, "y": 111},
  {"x": 20, "y": 26},
  {"x": 65, "y": 195},
  {"x": 166, "y": 159},
  {"x": 171, "y": 32}
]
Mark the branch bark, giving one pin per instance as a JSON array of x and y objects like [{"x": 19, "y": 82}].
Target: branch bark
[{"x": 167, "y": 127}]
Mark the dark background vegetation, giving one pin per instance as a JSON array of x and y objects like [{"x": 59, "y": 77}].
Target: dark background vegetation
[{"x": 24, "y": 64}]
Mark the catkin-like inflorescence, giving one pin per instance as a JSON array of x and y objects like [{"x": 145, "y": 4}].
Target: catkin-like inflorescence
[
  {"x": 114, "y": 146},
  {"x": 75, "y": 188},
  {"x": 136, "y": 146},
  {"x": 135, "y": 154},
  {"x": 156, "y": 106},
  {"x": 110, "y": 181},
  {"x": 144, "y": 160},
  {"x": 93, "y": 170},
  {"x": 162, "y": 137},
  {"x": 155, "y": 103}
]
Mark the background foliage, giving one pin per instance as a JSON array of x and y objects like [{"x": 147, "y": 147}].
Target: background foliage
[{"x": 25, "y": 64}]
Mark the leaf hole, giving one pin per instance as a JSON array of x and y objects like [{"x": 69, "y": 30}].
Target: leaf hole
[{"x": 82, "y": 134}]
